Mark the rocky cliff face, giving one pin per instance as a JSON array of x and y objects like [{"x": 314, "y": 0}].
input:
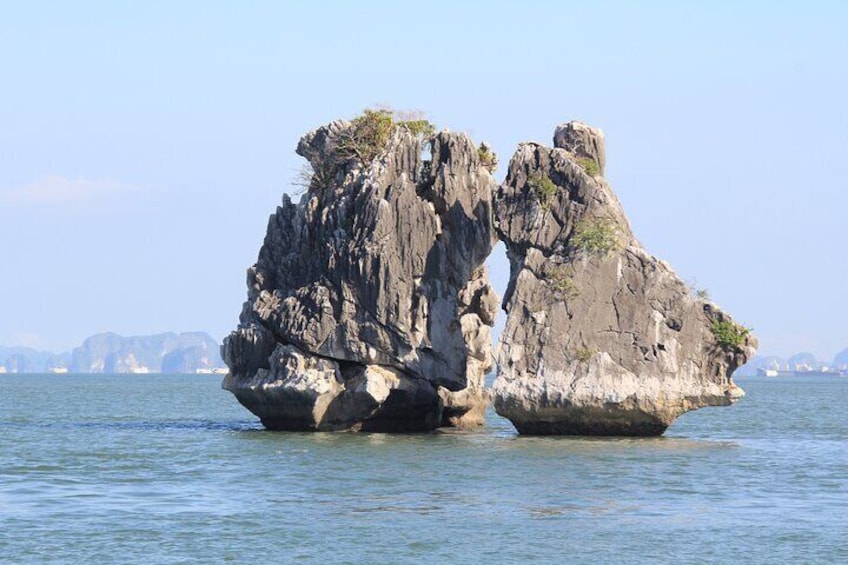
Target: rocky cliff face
[
  {"x": 369, "y": 307},
  {"x": 601, "y": 338}
]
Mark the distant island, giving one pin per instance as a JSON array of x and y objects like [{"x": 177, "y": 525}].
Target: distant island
[
  {"x": 189, "y": 352},
  {"x": 198, "y": 352},
  {"x": 798, "y": 365}
]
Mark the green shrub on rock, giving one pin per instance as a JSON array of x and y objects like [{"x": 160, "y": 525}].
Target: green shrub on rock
[
  {"x": 369, "y": 132},
  {"x": 488, "y": 158},
  {"x": 728, "y": 334},
  {"x": 589, "y": 165},
  {"x": 584, "y": 355},
  {"x": 420, "y": 127},
  {"x": 563, "y": 283},
  {"x": 544, "y": 189},
  {"x": 367, "y": 135},
  {"x": 596, "y": 237}
]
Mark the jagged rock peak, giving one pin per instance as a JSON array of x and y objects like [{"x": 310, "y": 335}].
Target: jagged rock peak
[
  {"x": 601, "y": 338},
  {"x": 369, "y": 306},
  {"x": 582, "y": 141}
]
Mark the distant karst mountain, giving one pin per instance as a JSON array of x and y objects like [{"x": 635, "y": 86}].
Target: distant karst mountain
[
  {"x": 29, "y": 360},
  {"x": 799, "y": 361},
  {"x": 841, "y": 359},
  {"x": 112, "y": 353}
]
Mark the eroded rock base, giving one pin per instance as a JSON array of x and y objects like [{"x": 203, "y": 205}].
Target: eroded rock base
[
  {"x": 304, "y": 392},
  {"x": 593, "y": 423}
]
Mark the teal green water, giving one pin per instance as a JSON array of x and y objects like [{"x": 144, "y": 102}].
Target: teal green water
[{"x": 170, "y": 469}]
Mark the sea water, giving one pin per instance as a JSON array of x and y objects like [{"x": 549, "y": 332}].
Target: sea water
[{"x": 170, "y": 469}]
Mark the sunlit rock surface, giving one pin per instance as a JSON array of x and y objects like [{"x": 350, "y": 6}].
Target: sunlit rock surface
[
  {"x": 601, "y": 337},
  {"x": 369, "y": 307}
]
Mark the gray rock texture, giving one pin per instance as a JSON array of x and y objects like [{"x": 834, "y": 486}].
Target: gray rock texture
[
  {"x": 369, "y": 307},
  {"x": 601, "y": 338}
]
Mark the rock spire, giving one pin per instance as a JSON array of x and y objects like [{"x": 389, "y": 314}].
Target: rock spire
[
  {"x": 369, "y": 307},
  {"x": 601, "y": 337}
]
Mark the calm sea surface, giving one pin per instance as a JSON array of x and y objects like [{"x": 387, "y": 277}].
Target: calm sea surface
[{"x": 170, "y": 469}]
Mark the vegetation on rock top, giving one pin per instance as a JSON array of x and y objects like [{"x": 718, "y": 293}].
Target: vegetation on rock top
[
  {"x": 488, "y": 158},
  {"x": 369, "y": 132},
  {"x": 420, "y": 127}
]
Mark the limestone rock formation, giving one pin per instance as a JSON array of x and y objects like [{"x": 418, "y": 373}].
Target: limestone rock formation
[
  {"x": 369, "y": 307},
  {"x": 601, "y": 338}
]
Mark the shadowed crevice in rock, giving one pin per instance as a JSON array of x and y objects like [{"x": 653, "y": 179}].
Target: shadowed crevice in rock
[
  {"x": 601, "y": 338},
  {"x": 369, "y": 307}
]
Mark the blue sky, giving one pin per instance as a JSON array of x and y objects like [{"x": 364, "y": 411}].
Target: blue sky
[{"x": 144, "y": 144}]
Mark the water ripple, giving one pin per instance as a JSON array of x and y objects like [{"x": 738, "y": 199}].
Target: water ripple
[{"x": 178, "y": 472}]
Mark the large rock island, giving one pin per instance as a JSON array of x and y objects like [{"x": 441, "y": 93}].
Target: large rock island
[
  {"x": 369, "y": 307},
  {"x": 601, "y": 338}
]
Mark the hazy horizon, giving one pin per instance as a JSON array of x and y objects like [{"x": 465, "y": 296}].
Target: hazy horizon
[{"x": 144, "y": 145}]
